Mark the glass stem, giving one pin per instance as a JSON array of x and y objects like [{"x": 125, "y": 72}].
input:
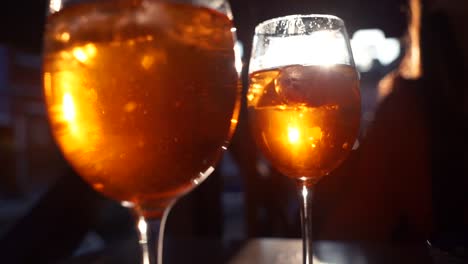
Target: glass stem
[
  {"x": 304, "y": 191},
  {"x": 151, "y": 237}
]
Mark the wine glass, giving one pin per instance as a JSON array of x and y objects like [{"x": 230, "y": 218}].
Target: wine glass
[
  {"x": 142, "y": 98},
  {"x": 303, "y": 101}
]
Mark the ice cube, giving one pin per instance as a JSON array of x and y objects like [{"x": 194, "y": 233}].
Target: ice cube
[
  {"x": 298, "y": 85},
  {"x": 315, "y": 85},
  {"x": 262, "y": 89}
]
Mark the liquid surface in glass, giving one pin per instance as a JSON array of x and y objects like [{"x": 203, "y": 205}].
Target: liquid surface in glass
[
  {"x": 142, "y": 95},
  {"x": 305, "y": 119}
]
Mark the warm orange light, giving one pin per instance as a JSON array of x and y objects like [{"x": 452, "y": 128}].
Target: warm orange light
[
  {"x": 255, "y": 90},
  {"x": 68, "y": 108},
  {"x": 85, "y": 53},
  {"x": 147, "y": 61},
  {"x": 250, "y": 96},
  {"x": 69, "y": 112},
  {"x": 130, "y": 107},
  {"x": 410, "y": 67},
  {"x": 298, "y": 131},
  {"x": 80, "y": 54},
  {"x": 315, "y": 133},
  {"x": 65, "y": 36},
  {"x": 259, "y": 84},
  {"x": 293, "y": 135},
  {"x": 235, "y": 116}
]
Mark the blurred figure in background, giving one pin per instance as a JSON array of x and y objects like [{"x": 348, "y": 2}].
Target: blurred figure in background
[
  {"x": 408, "y": 183},
  {"x": 388, "y": 194}
]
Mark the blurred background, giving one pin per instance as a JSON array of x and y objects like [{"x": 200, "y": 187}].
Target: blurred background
[{"x": 419, "y": 141}]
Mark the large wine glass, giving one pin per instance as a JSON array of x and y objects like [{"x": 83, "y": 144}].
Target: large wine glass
[
  {"x": 142, "y": 97},
  {"x": 303, "y": 101}
]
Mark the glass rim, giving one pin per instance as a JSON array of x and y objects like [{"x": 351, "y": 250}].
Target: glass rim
[{"x": 291, "y": 17}]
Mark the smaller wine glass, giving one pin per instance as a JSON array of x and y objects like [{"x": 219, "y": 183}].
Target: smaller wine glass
[{"x": 303, "y": 101}]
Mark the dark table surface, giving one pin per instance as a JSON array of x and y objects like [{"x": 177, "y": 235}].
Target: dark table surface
[
  {"x": 281, "y": 251},
  {"x": 263, "y": 250}
]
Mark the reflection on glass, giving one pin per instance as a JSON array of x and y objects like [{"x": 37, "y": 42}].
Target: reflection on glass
[
  {"x": 68, "y": 108},
  {"x": 55, "y": 6}
]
